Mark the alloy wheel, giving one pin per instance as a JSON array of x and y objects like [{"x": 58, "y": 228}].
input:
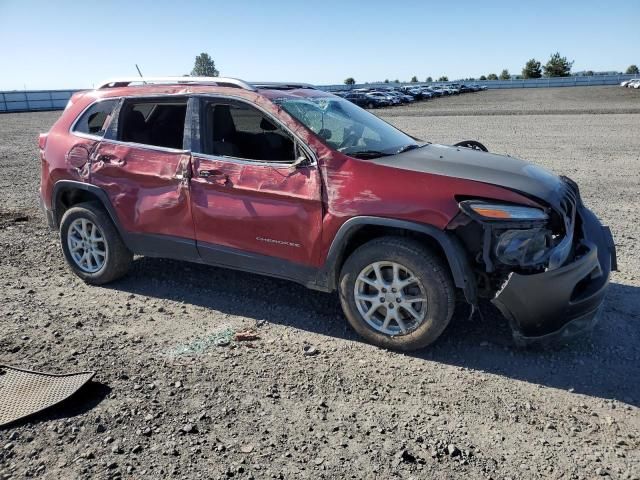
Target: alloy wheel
[
  {"x": 87, "y": 245},
  {"x": 390, "y": 298}
]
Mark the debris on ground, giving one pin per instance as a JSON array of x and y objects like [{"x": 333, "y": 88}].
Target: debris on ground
[
  {"x": 246, "y": 336},
  {"x": 221, "y": 338},
  {"x": 246, "y": 448},
  {"x": 309, "y": 350}
]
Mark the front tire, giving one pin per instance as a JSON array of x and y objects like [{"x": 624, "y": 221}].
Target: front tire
[
  {"x": 396, "y": 293},
  {"x": 92, "y": 246}
]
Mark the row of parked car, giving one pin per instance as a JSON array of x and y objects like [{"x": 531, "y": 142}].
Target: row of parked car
[
  {"x": 389, "y": 96},
  {"x": 633, "y": 83}
]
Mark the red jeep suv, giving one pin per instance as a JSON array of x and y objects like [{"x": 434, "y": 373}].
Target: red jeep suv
[{"x": 292, "y": 182}]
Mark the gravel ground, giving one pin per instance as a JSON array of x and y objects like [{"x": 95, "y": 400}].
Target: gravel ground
[{"x": 168, "y": 402}]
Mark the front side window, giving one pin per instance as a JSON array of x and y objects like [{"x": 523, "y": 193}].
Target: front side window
[
  {"x": 158, "y": 123},
  {"x": 347, "y": 128},
  {"x": 95, "y": 120},
  {"x": 232, "y": 128}
]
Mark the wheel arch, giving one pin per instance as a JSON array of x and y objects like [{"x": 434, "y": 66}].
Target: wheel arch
[{"x": 358, "y": 230}]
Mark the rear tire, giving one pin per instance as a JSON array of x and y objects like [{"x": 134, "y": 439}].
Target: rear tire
[
  {"x": 92, "y": 246},
  {"x": 385, "y": 312}
]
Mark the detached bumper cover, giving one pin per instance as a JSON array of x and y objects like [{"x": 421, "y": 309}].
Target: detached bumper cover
[{"x": 560, "y": 303}]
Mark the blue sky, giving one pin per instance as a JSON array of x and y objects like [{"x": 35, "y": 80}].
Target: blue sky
[{"x": 65, "y": 44}]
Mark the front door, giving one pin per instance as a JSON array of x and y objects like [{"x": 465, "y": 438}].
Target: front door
[
  {"x": 253, "y": 208},
  {"x": 142, "y": 166}
]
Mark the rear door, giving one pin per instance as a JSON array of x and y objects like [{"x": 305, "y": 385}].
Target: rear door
[
  {"x": 252, "y": 208},
  {"x": 144, "y": 168}
]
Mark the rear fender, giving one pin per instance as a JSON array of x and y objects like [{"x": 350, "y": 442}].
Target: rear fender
[{"x": 63, "y": 186}]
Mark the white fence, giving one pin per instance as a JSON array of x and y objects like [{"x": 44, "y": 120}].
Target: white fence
[{"x": 29, "y": 101}]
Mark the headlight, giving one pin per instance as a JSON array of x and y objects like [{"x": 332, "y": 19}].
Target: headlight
[
  {"x": 498, "y": 211},
  {"x": 514, "y": 235},
  {"x": 525, "y": 248}
]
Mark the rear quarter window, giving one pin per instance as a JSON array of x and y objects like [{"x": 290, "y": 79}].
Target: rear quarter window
[{"x": 95, "y": 120}]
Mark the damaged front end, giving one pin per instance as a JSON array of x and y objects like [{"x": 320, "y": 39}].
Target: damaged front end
[{"x": 546, "y": 270}]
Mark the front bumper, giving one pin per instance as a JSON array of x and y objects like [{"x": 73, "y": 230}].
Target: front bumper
[{"x": 561, "y": 303}]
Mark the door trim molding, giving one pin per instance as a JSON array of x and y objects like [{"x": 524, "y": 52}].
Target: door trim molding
[{"x": 177, "y": 248}]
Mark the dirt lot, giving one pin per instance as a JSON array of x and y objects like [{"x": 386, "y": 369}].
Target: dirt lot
[{"x": 168, "y": 402}]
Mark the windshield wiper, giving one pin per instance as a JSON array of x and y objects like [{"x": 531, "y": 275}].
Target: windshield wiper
[
  {"x": 411, "y": 146},
  {"x": 367, "y": 154}
]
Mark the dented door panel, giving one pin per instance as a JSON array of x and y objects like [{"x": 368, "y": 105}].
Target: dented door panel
[
  {"x": 146, "y": 187},
  {"x": 272, "y": 210}
]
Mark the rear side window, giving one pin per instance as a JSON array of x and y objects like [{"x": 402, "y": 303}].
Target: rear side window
[
  {"x": 156, "y": 123},
  {"x": 95, "y": 120}
]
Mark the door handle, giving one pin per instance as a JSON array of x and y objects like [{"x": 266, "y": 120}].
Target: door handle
[
  {"x": 217, "y": 176},
  {"x": 183, "y": 175},
  {"x": 210, "y": 173}
]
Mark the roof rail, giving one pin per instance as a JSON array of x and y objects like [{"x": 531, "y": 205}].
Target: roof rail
[
  {"x": 277, "y": 85},
  {"x": 219, "y": 81}
]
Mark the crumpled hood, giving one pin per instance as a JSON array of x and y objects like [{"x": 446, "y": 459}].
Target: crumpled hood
[{"x": 503, "y": 171}]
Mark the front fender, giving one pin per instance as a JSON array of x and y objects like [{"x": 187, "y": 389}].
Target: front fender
[{"x": 454, "y": 252}]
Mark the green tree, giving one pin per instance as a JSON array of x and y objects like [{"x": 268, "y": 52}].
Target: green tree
[
  {"x": 350, "y": 81},
  {"x": 532, "y": 69},
  {"x": 557, "y": 66},
  {"x": 386, "y": 80},
  {"x": 414, "y": 79},
  {"x": 204, "y": 66},
  {"x": 632, "y": 70},
  {"x": 589, "y": 73},
  {"x": 505, "y": 75},
  {"x": 492, "y": 76},
  {"x": 482, "y": 77},
  {"x": 443, "y": 78},
  {"x": 396, "y": 81},
  {"x": 429, "y": 79}
]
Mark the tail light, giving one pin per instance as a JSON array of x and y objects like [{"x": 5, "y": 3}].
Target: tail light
[
  {"x": 42, "y": 140},
  {"x": 42, "y": 143}
]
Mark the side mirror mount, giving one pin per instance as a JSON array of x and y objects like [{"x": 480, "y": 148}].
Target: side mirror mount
[{"x": 302, "y": 159}]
